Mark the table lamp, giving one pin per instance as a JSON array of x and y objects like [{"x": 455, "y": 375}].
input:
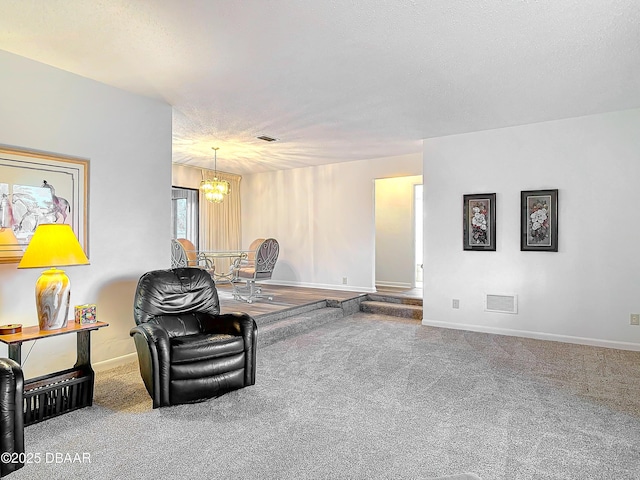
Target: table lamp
[{"x": 53, "y": 245}]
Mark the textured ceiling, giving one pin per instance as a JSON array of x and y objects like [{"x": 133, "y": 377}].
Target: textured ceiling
[{"x": 339, "y": 80}]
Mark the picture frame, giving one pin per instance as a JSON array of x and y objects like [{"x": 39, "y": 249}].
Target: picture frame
[
  {"x": 479, "y": 222},
  {"x": 39, "y": 187},
  {"x": 539, "y": 220}
]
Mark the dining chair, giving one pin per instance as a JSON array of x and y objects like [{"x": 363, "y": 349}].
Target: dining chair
[
  {"x": 184, "y": 254},
  {"x": 259, "y": 266}
]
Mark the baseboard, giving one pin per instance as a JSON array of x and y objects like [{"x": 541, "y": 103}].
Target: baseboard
[
  {"x": 593, "y": 342},
  {"x": 347, "y": 288},
  {"x": 403, "y": 285},
  {"x": 115, "y": 362}
]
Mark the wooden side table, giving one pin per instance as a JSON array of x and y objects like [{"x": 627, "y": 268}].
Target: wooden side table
[{"x": 59, "y": 392}]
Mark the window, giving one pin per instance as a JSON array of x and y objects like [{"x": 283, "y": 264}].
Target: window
[{"x": 184, "y": 214}]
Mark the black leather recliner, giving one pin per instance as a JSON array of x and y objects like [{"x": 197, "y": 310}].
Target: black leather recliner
[
  {"x": 11, "y": 416},
  {"x": 187, "y": 351}
]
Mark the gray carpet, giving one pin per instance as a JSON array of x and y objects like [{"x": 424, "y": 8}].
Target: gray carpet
[
  {"x": 462, "y": 476},
  {"x": 370, "y": 397}
]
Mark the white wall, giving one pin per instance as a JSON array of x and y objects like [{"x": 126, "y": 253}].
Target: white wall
[
  {"x": 395, "y": 231},
  {"x": 323, "y": 218},
  {"x": 127, "y": 139},
  {"x": 585, "y": 292}
]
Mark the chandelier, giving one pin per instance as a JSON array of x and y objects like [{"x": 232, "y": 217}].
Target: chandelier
[{"x": 215, "y": 190}]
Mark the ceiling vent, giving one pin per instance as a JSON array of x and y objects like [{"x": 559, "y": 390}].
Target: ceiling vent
[{"x": 266, "y": 138}]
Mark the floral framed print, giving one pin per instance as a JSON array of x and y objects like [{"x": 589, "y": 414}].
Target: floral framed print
[
  {"x": 479, "y": 220},
  {"x": 539, "y": 220}
]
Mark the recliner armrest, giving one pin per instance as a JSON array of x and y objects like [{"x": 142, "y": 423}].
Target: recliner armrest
[
  {"x": 11, "y": 410},
  {"x": 153, "y": 334},
  {"x": 230, "y": 323},
  {"x": 239, "y": 324},
  {"x": 152, "y": 344}
]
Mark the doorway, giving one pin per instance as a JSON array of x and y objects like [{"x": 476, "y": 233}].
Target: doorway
[
  {"x": 418, "y": 226},
  {"x": 398, "y": 232}
]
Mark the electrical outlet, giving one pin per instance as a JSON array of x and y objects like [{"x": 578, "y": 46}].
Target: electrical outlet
[
  {"x": 455, "y": 303},
  {"x": 634, "y": 319},
  {"x": 344, "y": 280}
]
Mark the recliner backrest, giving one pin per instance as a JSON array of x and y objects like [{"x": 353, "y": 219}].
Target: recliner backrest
[
  {"x": 178, "y": 295},
  {"x": 179, "y": 325}
]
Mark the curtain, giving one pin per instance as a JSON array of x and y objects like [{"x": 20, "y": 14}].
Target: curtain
[{"x": 220, "y": 227}]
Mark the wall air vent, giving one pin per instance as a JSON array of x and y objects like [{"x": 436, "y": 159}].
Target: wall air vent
[
  {"x": 266, "y": 138},
  {"x": 501, "y": 303}
]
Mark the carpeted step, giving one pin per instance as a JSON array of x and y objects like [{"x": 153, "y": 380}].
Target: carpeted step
[
  {"x": 392, "y": 309},
  {"x": 295, "y": 325},
  {"x": 381, "y": 297},
  {"x": 270, "y": 317}
]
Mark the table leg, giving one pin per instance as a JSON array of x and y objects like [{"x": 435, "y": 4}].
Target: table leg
[
  {"x": 84, "y": 362},
  {"x": 232, "y": 275},
  {"x": 84, "y": 349},
  {"x": 15, "y": 352}
]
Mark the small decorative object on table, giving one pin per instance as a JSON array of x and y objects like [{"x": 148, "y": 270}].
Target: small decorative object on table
[
  {"x": 11, "y": 328},
  {"x": 85, "y": 314}
]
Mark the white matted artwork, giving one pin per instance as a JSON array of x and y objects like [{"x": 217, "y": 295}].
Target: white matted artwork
[{"x": 37, "y": 188}]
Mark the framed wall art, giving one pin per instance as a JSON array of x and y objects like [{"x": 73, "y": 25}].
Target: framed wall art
[
  {"x": 35, "y": 188},
  {"x": 539, "y": 220},
  {"x": 479, "y": 222}
]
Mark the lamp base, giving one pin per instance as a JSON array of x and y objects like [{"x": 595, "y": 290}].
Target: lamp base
[{"x": 53, "y": 291}]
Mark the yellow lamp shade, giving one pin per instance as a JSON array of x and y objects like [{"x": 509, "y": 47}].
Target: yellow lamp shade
[{"x": 53, "y": 245}]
